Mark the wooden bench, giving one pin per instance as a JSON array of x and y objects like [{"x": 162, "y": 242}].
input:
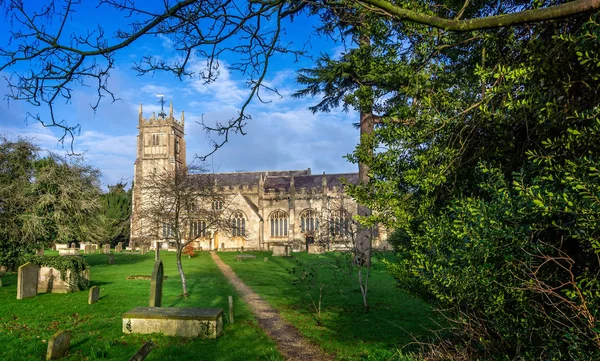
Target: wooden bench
[
  {"x": 243, "y": 257},
  {"x": 181, "y": 322}
]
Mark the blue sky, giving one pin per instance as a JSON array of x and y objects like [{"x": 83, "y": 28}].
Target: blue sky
[{"x": 282, "y": 134}]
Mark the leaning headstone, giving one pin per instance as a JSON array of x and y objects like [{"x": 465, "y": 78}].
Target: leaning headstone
[
  {"x": 27, "y": 281},
  {"x": 111, "y": 258},
  {"x": 107, "y": 248},
  {"x": 94, "y": 295},
  {"x": 230, "y": 309},
  {"x": 142, "y": 352},
  {"x": 156, "y": 285},
  {"x": 58, "y": 345}
]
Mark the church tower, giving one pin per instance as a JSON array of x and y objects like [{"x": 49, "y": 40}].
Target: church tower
[{"x": 160, "y": 147}]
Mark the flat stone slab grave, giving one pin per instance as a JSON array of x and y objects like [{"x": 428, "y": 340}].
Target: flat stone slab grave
[
  {"x": 243, "y": 257},
  {"x": 170, "y": 321}
]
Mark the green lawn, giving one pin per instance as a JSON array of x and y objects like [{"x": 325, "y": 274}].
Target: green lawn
[
  {"x": 26, "y": 325},
  {"x": 345, "y": 330}
]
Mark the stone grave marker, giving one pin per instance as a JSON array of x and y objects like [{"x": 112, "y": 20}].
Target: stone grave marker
[
  {"x": 230, "y": 309},
  {"x": 58, "y": 345},
  {"x": 94, "y": 295},
  {"x": 142, "y": 352},
  {"x": 156, "y": 284},
  {"x": 266, "y": 259},
  {"x": 119, "y": 247},
  {"x": 281, "y": 251},
  {"x": 107, "y": 248},
  {"x": 111, "y": 258},
  {"x": 27, "y": 281},
  {"x": 73, "y": 245},
  {"x": 132, "y": 245},
  {"x": 243, "y": 257}
]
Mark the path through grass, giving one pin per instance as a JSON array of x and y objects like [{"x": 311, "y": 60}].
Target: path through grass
[{"x": 343, "y": 329}]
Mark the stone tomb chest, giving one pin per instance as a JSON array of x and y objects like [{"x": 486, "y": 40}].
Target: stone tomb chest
[
  {"x": 181, "y": 322},
  {"x": 50, "y": 281}
]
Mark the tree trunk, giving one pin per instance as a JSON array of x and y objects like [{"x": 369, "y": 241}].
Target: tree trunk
[
  {"x": 180, "y": 269},
  {"x": 367, "y": 125}
]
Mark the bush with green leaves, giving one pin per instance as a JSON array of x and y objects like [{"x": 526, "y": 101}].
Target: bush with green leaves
[{"x": 492, "y": 183}]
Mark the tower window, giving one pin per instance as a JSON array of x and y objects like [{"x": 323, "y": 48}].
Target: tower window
[
  {"x": 217, "y": 205},
  {"x": 155, "y": 139},
  {"x": 279, "y": 224}
]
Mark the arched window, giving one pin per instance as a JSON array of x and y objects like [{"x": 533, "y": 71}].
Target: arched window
[
  {"x": 198, "y": 229},
  {"x": 238, "y": 224},
  {"x": 279, "y": 224},
  {"x": 309, "y": 221},
  {"x": 339, "y": 223}
]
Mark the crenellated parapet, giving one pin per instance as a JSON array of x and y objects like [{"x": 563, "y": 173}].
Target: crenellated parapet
[{"x": 165, "y": 119}]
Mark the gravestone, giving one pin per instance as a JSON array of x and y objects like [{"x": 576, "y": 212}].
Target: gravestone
[
  {"x": 89, "y": 249},
  {"x": 230, "y": 309},
  {"x": 27, "y": 281},
  {"x": 132, "y": 246},
  {"x": 68, "y": 252},
  {"x": 119, "y": 247},
  {"x": 243, "y": 257},
  {"x": 142, "y": 352},
  {"x": 40, "y": 252},
  {"x": 281, "y": 251},
  {"x": 111, "y": 258},
  {"x": 107, "y": 248},
  {"x": 266, "y": 259},
  {"x": 73, "y": 245},
  {"x": 58, "y": 345},
  {"x": 94, "y": 295},
  {"x": 156, "y": 285}
]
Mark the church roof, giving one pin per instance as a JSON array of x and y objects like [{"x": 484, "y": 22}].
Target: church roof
[{"x": 281, "y": 179}]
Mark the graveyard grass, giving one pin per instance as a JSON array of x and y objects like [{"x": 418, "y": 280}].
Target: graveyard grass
[
  {"x": 345, "y": 330},
  {"x": 26, "y": 326},
  {"x": 389, "y": 330}
]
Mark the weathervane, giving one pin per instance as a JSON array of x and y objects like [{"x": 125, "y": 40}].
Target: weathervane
[{"x": 162, "y": 113}]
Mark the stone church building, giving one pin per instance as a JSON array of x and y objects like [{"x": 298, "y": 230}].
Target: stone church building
[{"x": 260, "y": 209}]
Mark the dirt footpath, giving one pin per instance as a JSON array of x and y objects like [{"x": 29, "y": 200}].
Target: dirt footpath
[{"x": 292, "y": 345}]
